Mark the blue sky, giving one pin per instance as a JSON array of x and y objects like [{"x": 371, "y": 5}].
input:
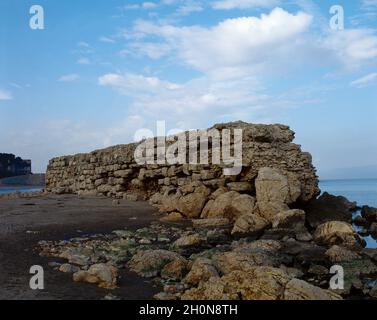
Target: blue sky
[{"x": 100, "y": 70}]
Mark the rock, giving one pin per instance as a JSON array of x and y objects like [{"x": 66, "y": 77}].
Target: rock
[
  {"x": 104, "y": 275},
  {"x": 336, "y": 232},
  {"x": 360, "y": 221},
  {"x": 272, "y": 186},
  {"x": 305, "y": 253},
  {"x": 211, "y": 223},
  {"x": 172, "y": 217},
  {"x": 163, "y": 296},
  {"x": 274, "y": 192},
  {"x": 213, "y": 289},
  {"x": 258, "y": 283},
  {"x": 300, "y": 290},
  {"x": 249, "y": 224},
  {"x": 175, "y": 270},
  {"x": 293, "y": 222},
  {"x": 188, "y": 241},
  {"x": 373, "y": 291},
  {"x": 202, "y": 270},
  {"x": 373, "y": 229},
  {"x": 293, "y": 219},
  {"x": 329, "y": 208},
  {"x": 318, "y": 270},
  {"x": 149, "y": 263},
  {"x": 68, "y": 268},
  {"x": 368, "y": 213},
  {"x": 230, "y": 205},
  {"x": 240, "y": 186},
  {"x": 191, "y": 205},
  {"x": 338, "y": 254},
  {"x": 75, "y": 257},
  {"x": 266, "y": 245},
  {"x": 245, "y": 257}
]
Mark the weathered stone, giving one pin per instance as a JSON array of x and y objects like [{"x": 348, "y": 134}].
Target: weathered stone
[
  {"x": 102, "y": 274},
  {"x": 336, "y": 232},
  {"x": 340, "y": 254},
  {"x": 251, "y": 224},
  {"x": 68, "y": 268},
  {"x": 300, "y": 290},
  {"x": 370, "y": 214},
  {"x": 329, "y": 208},
  {"x": 188, "y": 241},
  {"x": 175, "y": 270},
  {"x": 240, "y": 186},
  {"x": 149, "y": 263},
  {"x": 258, "y": 283},
  {"x": 172, "y": 217},
  {"x": 230, "y": 205},
  {"x": 113, "y": 171},
  {"x": 210, "y": 223},
  {"x": 202, "y": 270}
]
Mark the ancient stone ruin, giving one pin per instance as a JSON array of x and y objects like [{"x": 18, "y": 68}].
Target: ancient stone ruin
[
  {"x": 275, "y": 173},
  {"x": 261, "y": 233}
]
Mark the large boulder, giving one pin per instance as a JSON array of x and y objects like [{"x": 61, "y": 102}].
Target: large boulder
[
  {"x": 336, "y": 233},
  {"x": 149, "y": 263},
  {"x": 250, "y": 224},
  {"x": 191, "y": 204},
  {"x": 275, "y": 191},
  {"x": 248, "y": 255},
  {"x": 202, "y": 270},
  {"x": 230, "y": 205},
  {"x": 104, "y": 275},
  {"x": 188, "y": 200},
  {"x": 300, "y": 290},
  {"x": 329, "y": 208},
  {"x": 258, "y": 283},
  {"x": 369, "y": 214}
]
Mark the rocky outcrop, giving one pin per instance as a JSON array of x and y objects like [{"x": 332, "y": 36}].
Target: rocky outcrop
[{"x": 113, "y": 171}]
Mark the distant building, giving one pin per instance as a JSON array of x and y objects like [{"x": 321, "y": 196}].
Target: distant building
[{"x": 11, "y": 166}]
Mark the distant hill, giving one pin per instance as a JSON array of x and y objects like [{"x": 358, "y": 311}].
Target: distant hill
[{"x": 25, "y": 180}]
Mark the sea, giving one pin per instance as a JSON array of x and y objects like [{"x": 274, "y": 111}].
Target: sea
[{"x": 4, "y": 190}]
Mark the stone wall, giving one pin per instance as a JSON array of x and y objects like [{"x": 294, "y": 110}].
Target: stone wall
[{"x": 187, "y": 188}]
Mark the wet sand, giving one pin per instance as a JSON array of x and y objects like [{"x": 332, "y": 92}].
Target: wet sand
[{"x": 25, "y": 221}]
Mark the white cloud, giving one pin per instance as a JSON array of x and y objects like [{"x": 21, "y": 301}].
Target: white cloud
[
  {"x": 145, "y": 5},
  {"x": 353, "y": 47},
  {"x": 5, "y": 95},
  {"x": 369, "y": 3},
  {"x": 134, "y": 84},
  {"x": 364, "y": 81},
  {"x": 243, "y": 4},
  {"x": 69, "y": 77},
  {"x": 234, "y": 46},
  {"x": 189, "y": 8},
  {"x": 84, "y": 61},
  {"x": 153, "y": 50},
  {"x": 106, "y": 39}
]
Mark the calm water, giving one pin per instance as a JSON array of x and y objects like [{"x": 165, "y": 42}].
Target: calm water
[
  {"x": 11, "y": 190},
  {"x": 364, "y": 192}
]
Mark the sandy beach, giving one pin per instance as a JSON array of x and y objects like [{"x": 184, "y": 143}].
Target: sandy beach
[{"x": 25, "y": 221}]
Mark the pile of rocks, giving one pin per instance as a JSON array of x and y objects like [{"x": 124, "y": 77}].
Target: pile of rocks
[
  {"x": 367, "y": 221},
  {"x": 204, "y": 260}
]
